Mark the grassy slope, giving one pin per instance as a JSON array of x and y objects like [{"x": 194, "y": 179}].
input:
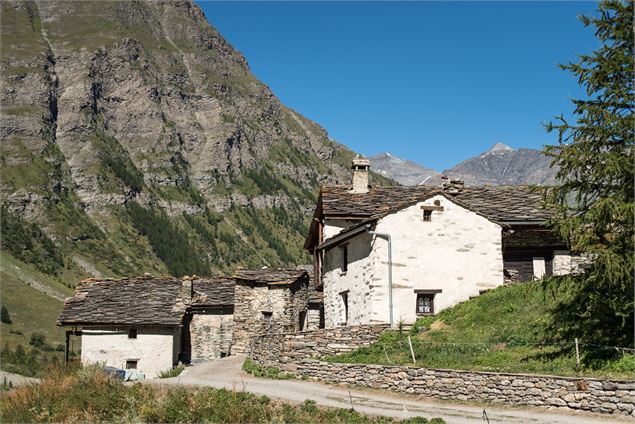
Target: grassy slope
[
  {"x": 498, "y": 331},
  {"x": 30, "y": 309}
]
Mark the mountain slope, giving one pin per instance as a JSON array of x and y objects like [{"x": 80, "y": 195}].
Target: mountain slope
[
  {"x": 403, "y": 171},
  {"x": 135, "y": 139},
  {"x": 500, "y": 165}
]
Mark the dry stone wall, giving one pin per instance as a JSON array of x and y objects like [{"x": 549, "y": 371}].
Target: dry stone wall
[
  {"x": 211, "y": 336},
  {"x": 284, "y": 351},
  {"x": 297, "y": 353},
  {"x": 252, "y": 300},
  {"x": 614, "y": 397}
]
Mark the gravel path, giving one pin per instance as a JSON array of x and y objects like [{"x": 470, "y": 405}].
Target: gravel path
[{"x": 227, "y": 373}]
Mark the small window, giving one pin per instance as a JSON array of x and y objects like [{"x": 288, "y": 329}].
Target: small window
[
  {"x": 344, "y": 295},
  {"x": 425, "y": 303},
  {"x": 131, "y": 365},
  {"x": 267, "y": 317},
  {"x": 132, "y": 333},
  {"x": 427, "y": 215},
  {"x": 345, "y": 258}
]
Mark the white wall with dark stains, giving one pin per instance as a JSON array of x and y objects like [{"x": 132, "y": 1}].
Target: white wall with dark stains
[
  {"x": 458, "y": 252},
  {"x": 154, "y": 349}
]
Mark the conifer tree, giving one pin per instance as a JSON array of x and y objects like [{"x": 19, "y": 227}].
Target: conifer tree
[
  {"x": 4, "y": 315},
  {"x": 594, "y": 196}
]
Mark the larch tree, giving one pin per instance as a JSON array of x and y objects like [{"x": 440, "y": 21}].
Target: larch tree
[{"x": 594, "y": 197}]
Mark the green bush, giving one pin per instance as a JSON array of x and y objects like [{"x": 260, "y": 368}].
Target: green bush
[
  {"x": 4, "y": 315},
  {"x": 172, "y": 372}
]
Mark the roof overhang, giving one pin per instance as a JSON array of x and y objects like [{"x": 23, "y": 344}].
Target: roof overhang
[{"x": 347, "y": 234}]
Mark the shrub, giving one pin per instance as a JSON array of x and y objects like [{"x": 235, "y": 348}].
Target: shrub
[
  {"x": 4, "y": 315},
  {"x": 172, "y": 372}
]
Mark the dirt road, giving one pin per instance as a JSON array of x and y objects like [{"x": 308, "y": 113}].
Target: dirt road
[{"x": 227, "y": 373}]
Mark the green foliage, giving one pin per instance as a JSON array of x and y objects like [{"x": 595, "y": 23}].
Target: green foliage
[
  {"x": 37, "y": 340},
  {"x": 89, "y": 395},
  {"x": 169, "y": 241},
  {"x": 501, "y": 330},
  {"x": 595, "y": 192},
  {"x": 33, "y": 363},
  {"x": 4, "y": 315},
  {"x": 172, "y": 372},
  {"x": 27, "y": 242},
  {"x": 115, "y": 158},
  {"x": 258, "y": 370},
  {"x": 5, "y": 386}
]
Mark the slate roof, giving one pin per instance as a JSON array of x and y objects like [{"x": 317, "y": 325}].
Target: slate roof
[
  {"x": 498, "y": 203},
  {"x": 218, "y": 291},
  {"x": 272, "y": 276},
  {"x": 129, "y": 301}
]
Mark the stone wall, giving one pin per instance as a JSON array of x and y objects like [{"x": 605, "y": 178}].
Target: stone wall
[
  {"x": 211, "y": 336},
  {"x": 615, "y": 397},
  {"x": 284, "y": 351},
  {"x": 252, "y": 300}
]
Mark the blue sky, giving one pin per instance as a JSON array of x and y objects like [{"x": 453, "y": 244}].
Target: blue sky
[{"x": 432, "y": 82}]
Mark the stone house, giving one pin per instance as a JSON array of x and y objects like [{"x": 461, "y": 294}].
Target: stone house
[
  {"x": 269, "y": 302},
  {"x": 153, "y": 323},
  {"x": 386, "y": 254}
]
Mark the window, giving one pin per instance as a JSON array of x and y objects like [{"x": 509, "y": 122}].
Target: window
[
  {"x": 427, "y": 215},
  {"x": 425, "y": 301},
  {"x": 131, "y": 365},
  {"x": 132, "y": 333},
  {"x": 345, "y": 258},
  {"x": 302, "y": 320},
  {"x": 267, "y": 317},
  {"x": 344, "y": 295},
  {"x": 425, "y": 304}
]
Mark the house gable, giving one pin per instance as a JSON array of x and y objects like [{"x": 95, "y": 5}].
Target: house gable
[{"x": 455, "y": 254}]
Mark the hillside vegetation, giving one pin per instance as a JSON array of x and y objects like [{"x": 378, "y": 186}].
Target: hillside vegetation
[
  {"x": 88, "y": 395},
  {"x": 501, "y": 330}
]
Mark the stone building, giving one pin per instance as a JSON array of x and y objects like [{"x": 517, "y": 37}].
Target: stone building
[
  {"x": 269, "y": 301},
  {"x": 153, "y": 323},
  {"x": 131, "y": 323},
  {"x": 387, "y": 254},
  {"x": 208, "y": 325}
]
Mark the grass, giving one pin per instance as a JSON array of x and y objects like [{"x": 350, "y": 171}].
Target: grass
[
  {"x": 30, "y": 309},
  {"x": 172, "y": 372},
  {"x": 501, "y": 330},
  {"x": 89, "y": 395},
  {"x": 258, "y": 370}
]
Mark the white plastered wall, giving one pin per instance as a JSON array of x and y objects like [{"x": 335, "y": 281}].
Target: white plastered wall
[
  {"x": 458, "y": 252},
  {"x": 334, "y": 226},
  {"x": 357, "y": 281},
  {"x": 155, "y": 349}
]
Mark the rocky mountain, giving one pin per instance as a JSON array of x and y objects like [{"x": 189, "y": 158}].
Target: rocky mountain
[
  {"x": 500, "y": 165},
  {"x": 403, "y": 171},
  {"x": 135, "y": 139}
]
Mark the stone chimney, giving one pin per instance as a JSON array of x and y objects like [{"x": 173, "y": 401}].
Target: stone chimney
[
  {"x": 360, "y": 168},
  {"x": 452, "y": 186},
  {"x": 187, "y": 289}
]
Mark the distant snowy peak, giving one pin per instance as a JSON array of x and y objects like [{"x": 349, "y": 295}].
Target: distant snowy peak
[
  {"x": 500, "y": 165},
  {"x": 403, "y": 171},
  {"x": 498, "y": 148}
]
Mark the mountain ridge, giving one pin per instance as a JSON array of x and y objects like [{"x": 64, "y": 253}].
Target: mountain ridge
[
  {"x": 499, "y": 165},
  {"x": 135, "y": 139}
]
